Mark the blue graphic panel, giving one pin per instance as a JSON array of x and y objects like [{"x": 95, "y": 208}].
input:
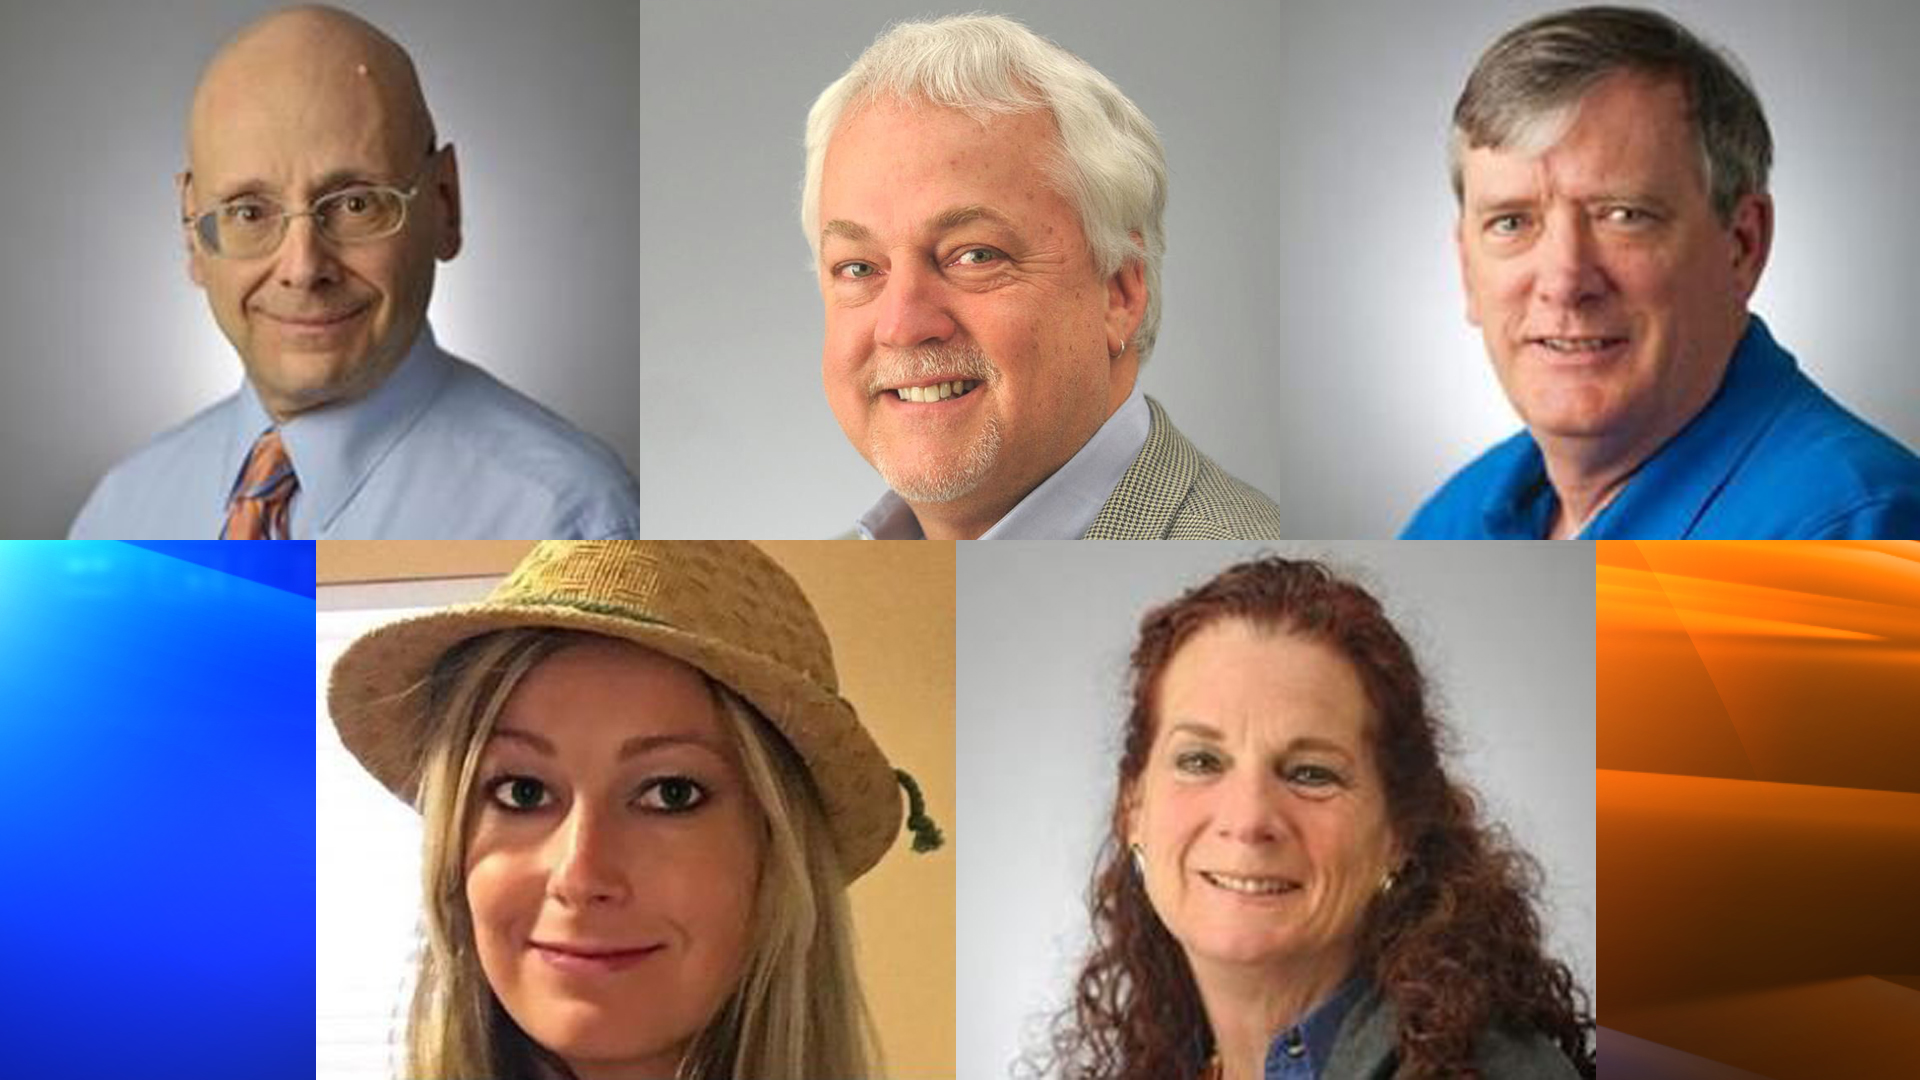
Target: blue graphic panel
[
  {"x": 155, "y": 724},
  {"x": 281, "y": 565}
]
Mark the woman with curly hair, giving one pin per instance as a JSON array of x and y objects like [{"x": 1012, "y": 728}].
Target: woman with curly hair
[{"x": 1292, "y": 885}]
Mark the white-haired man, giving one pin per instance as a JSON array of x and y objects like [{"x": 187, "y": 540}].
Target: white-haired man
[{"x": 985, "y": 210}]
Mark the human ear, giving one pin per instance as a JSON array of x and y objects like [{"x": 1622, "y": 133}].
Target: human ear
[
  {"x": 1751, "y": 230},
  {"x": 1126, "y": 303},
  {"x": 446, "y": 185},
  {"x": 1130, "y": 813},
  {"x": 183, "y": 188}
]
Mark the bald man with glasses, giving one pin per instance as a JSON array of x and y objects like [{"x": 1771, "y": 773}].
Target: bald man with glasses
[{"x": 315, "y": 206}]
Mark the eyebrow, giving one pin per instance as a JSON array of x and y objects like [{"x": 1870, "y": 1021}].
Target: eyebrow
[
  {"x": 847, "y": 230},
  {"x": 331, "y": 181},
  {"x": 639, "y": 744},
  {"x": 966, "y": 215},
  {"x": 1603, "y": 197},
  {"x": 1303, "y": 742},
  {"x": 946, "y": 221},
  {"x": 1508, "y": 205}
]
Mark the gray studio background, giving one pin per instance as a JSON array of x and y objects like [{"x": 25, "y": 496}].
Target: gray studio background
[
  {"x": 104, "y": 342},
  {"x": 1314, "y": 340},
  {"x": 1504, "y": 633}
]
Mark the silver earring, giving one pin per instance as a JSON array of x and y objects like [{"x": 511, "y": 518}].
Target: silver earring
[
  {"x": 1387, "y": 881},
  {"x": 1139, "y": 862}
]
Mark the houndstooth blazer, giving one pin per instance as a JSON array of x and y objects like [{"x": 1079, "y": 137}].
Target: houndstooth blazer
[{"x": 1172, "y": 491}]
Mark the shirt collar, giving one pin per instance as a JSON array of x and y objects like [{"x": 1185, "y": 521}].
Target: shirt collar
[
  {"x": 889, "y": 519},
  {"x": 1671, "y": 490},
  {"x": 1063, "y": 506},
  {"x": 1311, "y": 1040},
  {"x": 1668, "y": 492},
  {"x": 1520, "y": 502},
  {"x": 334, "y": 449}
]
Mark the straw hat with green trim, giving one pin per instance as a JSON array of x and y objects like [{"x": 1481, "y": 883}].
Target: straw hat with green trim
[{"x": 722, "y": 606}]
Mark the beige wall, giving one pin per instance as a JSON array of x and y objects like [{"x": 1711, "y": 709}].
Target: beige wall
[
  {"x": 339, "y": 562},
  {"x": 889, "y": 610}
]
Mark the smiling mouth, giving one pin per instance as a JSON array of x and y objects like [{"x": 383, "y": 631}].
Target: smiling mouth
[
  {"x": 1578, "y": 346},
  {"x": 940, "y": 391},
  {"x": 315, "y": 320},
  {"x": 581, "y": 961},
  {"x": 1249, "y": 885}
]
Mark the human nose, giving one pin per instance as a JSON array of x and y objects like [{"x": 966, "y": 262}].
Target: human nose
[
  {"x": 305, "y": 258},
  {"x": 913, "y": 309},
  {"x": 1568, "y": 273},
  {"x": 586, "y": 870},
  {"x": 1247, "y": 810}
]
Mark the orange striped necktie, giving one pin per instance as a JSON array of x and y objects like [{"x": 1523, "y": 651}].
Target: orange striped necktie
[{"x": 257, "y": 509}]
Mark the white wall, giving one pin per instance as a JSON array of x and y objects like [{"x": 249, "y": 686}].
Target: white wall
[{"x": 366, "y": 856}]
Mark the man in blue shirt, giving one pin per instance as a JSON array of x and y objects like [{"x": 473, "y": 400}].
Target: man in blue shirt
[
  {"x": 315, "y": 206},
  {"x": 1611, "y": 170}
]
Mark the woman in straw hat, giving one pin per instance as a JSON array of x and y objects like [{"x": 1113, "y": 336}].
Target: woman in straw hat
[{"x": 643, "y": 800}]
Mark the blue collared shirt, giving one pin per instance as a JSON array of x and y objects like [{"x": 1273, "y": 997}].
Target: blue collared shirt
[
  {"x": 1300, "y": 1052},
  {"x": 1771, "y": 457},
  {"x": 439, "y": 451},
  {"x": 1063, "y": 506}
]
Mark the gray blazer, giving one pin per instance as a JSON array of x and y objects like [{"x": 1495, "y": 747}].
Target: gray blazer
[
  {"x": 1172, "y": 491},
  {"x": 1368, "y": 1049}
]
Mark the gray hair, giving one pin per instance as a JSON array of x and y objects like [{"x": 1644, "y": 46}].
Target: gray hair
[
  {"x": 1109, "y": 163},
  {"x": 1527, "y": 86}
]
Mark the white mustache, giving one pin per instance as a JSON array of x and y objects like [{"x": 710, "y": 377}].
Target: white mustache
[{"x": 909, "y": 366}]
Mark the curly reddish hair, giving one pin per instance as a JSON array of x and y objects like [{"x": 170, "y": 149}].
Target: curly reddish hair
[{"x": 1455, "y": 945}]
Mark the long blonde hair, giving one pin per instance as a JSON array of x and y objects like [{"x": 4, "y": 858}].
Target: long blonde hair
[{"x": 798, "y": 1010}]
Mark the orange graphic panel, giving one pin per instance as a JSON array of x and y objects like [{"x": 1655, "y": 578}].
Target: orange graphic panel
[{"x": 1759, "y": 804}]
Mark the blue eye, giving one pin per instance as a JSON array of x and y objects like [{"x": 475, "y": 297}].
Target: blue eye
[
  {"x": 672, "y": 794},
  {"x": 1505, "y": 224},
  {"x": 519, "y": 794}
]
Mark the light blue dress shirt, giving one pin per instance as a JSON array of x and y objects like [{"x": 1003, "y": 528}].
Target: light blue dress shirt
[
  {"x": 439, "y": 451},
  {"x": 1771, "y": 457},
  {"x": 1063, "y": 506}
]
